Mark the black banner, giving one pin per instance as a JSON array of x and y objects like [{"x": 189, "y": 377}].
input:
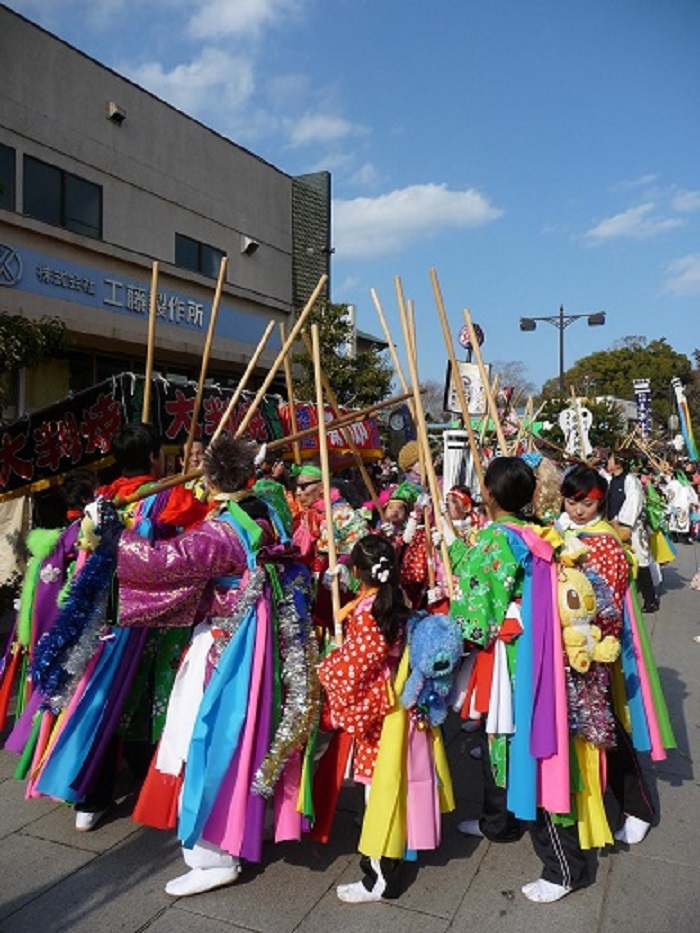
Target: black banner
[{"x": 78, "y": 430}]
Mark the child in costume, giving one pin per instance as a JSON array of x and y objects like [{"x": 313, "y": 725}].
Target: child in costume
[
  {"x": 490, "y": 580},
  {"x": 246, "y": 696},
  {"x": 108, "y": 685},
  {"x": 362, "y": 680},
  {"x": 604, "y": 559},
  {"x": 53, "y": 556}
]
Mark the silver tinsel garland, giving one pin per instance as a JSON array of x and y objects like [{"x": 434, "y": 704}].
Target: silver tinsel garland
[
  {"x": 299, "y": 664},
  {"x": 78, "y": 658},
  {"x": 251, "y": 589}
]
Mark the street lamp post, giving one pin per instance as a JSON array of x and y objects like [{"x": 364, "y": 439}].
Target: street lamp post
[{"x": 561, "y": 321}]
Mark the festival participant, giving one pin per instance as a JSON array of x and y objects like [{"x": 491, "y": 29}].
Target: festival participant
[
  {"x": 53, "y": 557},
  {"x": 625, "y": 511},
  {"x": 218, "y": 743},
  {"x": 409, "y": 463},
  {"x": 460, "y": 508},
  {"x": 605, "y": 561},
  {"x": 489, "y": 584},
  {"x": 311, "y": 535},
  {"x": 118, "y": 705},
  {"x": 361, "y": 685},
  {"x": 682, "y": 499}
]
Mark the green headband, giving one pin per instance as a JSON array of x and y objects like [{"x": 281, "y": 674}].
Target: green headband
[{"x": 308, "y": 469}]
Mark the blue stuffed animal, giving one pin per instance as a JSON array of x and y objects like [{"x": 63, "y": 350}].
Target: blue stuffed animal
[{"x": 435, "y": 650}]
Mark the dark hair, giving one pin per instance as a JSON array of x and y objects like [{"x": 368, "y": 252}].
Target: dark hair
[
  {"x": 229, "y": 462},
  {"x": 580, "y": 480},
  {"x": 373, "y": 557},
  {"x": 134, "y": 447},
  {"x": 511, "y": 482},
  {"x": 78, "y": 488}
]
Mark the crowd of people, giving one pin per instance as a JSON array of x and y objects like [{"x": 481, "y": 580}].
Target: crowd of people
[{"x": 190, "y": 634}]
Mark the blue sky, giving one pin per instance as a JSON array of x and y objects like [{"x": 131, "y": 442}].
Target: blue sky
[{"x": 536, "y": 154}]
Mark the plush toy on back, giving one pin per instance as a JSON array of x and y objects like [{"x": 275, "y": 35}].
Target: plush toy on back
[
  {"x": 578, "y": 607},
  {"x": 435, "y": 650}
]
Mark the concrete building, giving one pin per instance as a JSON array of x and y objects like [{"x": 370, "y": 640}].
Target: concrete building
[{"x": 99, "y": 178}]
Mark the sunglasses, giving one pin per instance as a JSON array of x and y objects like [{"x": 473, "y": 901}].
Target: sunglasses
[{"x": 312, "y": 482}]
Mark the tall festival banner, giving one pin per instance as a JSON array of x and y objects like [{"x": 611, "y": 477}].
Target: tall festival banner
[
  {"x": 684, "y": 418},
  {"x": 642, "y": 396}
]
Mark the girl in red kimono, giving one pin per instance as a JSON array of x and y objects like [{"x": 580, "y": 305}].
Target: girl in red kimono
[{"x": 357, "y": 678}]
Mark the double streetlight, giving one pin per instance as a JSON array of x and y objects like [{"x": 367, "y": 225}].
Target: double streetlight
[{"x": 561, "y": 321}]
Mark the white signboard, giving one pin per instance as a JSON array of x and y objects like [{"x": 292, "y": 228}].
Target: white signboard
[
  {"x": 574, "y": 422},
  {"x": 473, "y": 390}
]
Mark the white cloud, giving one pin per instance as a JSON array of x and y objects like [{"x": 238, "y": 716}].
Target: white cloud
[
  {"x": 634, "y": 223},
  {"x": 220, "y": 19},
  {"x": 686, "y": 201},
  {"x": 684, "y": 276},
  {"x": 366, "y": 176},
  {"x": 371, "y": 227},
  {"x": 315, "y": 128},
  {"x": 211, "y": 80},
  {"x": 642, "y": 182}
]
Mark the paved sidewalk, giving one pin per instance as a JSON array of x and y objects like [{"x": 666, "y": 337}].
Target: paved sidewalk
[{"x": 55, "y": 879}]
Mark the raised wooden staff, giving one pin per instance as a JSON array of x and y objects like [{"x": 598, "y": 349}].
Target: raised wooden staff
[
  {"x": 350, "y": 418},
  {"x": 290, "y": 397},
  {"x": 205, "y": 362},
  {"x": 152, "y": 314},
  {"x": 286, "y": 346},
  {"x": 326, "y": 478},
  {"x": 484, "y": 378},
  {"x": 252, "y": 363},
  {"x": 347, "y": 436},
  {"x": 422, "y": 429},
  {"x": 463, "y": 406},
  {"x": 427, "y": 535}
]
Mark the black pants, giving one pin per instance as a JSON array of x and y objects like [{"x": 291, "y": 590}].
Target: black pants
[
  {"x": 138, "y": 757},
  {"x": 625, "y": 777},
  {"x": 497, "y": 823},
  {"x": 391, "y": 872},
  {"x": 559, "y": 850},
  {"x": 645, "y": 585}
]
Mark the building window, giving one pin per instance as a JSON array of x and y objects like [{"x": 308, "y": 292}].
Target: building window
[
  {"x": 197, "y": 257},
  {"x": 7, "y": 178},
  {"x": 61, "y": 198}
]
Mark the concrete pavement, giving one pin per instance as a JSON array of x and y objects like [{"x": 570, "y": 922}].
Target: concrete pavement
[{"x": 55, "y": 880}]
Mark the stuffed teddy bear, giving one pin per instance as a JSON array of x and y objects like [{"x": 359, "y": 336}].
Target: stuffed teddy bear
[
  {"x": 577, "y": 608},
  {"x": 435, "y": 650}
]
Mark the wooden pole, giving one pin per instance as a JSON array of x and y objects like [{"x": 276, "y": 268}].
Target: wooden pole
[
  {"x": 205, "y": 362},
  {"x": 290, "y": 396},
  {"x": 255, "y": 404},
  {"x": 150, "y": 348},
  {"x": 464, "y": 407},
  {"x": 252, "y": 363},
  {"x": 428, "y": 538},
  {"x": 350, "y": 418},
  {"x": 422, "y": 430},
  {"x": 392, "y": 348},
  {"x": 326, "y": 477},
  {"x": 357, "y": 456},
  {"x": 484, "y": 377}
]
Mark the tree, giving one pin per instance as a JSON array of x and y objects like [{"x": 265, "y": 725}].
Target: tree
[
  {"x": 26, "y": 343},
  {"x": 357, "y": 380},
  {"x": 612, "y": 372},
  {"x": 513, "y": 373}
]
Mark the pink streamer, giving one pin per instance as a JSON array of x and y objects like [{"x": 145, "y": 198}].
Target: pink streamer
[
  {"x": 554, "y": 792},
  {"x": 423, "y": 804},
  {"x": 287, "y": 818}
]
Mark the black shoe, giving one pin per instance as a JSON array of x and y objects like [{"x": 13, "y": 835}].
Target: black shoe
[{"x": 651, "y": 607}]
